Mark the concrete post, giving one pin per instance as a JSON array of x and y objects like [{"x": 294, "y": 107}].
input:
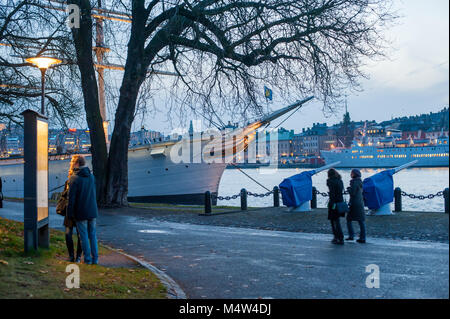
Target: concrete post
[
  {"x": 397, "y": 199},
  {"x": 243, "y": 199}
]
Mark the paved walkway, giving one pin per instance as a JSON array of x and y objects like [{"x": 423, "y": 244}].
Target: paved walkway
[
  {"x": 225, "y": 262},
  {"x": 421, "y": 226}
]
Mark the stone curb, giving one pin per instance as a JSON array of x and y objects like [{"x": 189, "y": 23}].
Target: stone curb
[{"x": 174, "y": 291}]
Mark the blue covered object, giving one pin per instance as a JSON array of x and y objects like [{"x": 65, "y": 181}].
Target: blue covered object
[
  {"x": 378, "y": 190},
  {"x": 297, "y": 189}
]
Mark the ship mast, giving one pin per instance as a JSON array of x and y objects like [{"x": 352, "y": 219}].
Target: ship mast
[{"x": 100, "y": 50}]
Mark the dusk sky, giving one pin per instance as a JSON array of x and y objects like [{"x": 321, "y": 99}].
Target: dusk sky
[{"x": 414, "y": 80}]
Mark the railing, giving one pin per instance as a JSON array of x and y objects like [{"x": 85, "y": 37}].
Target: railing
[
  {"x": 243, "y": 194},
  {"x": 398, "y": 193}
]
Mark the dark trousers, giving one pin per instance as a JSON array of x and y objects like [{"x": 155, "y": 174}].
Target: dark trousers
[
  {"x": 362, "y": 229},
  {"x": 337, "y": 229},
  {"x": 69, "y": 242}
]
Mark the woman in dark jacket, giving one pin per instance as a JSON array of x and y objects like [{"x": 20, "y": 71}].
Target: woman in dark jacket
[
  {"x": 356, "y": 204},
  {"x": 69, "y": 223},
  {"x": 336, "y": 188}
]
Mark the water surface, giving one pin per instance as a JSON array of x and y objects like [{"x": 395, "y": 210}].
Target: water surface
[{"x": 418, "y": 181}]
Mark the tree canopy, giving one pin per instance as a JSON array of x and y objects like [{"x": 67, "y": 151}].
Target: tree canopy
[
  {"x": 223, "y": 52},
  {"x": 32, "y": 28}
]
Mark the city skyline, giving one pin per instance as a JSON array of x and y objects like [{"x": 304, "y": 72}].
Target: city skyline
[{"x": 413, "y": 79}]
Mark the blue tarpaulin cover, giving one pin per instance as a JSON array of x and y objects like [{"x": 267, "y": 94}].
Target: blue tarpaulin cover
[
  {"x": 378, "y": 190},
  {"x": 297, "y": 189}
]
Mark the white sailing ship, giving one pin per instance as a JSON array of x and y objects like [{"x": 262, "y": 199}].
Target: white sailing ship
[{"x": 152, "y": 173}]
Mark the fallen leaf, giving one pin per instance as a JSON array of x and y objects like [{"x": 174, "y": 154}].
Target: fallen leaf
[
  {"x": 28, "y": 262},
  {"x": 4, "y": 262},
  {"x": 43, "y": 271}
]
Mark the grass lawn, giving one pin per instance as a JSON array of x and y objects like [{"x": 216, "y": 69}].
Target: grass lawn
[{"x": 42, "y": 274}]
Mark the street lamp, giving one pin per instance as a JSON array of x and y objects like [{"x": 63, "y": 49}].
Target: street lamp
[{"x": 43, "y": 63}]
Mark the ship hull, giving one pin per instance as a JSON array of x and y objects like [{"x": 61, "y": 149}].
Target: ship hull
[
  {"x": 153, "y": 179},
  {"x": 373, "y": 157},
  {"x": 152, "y": 174}
]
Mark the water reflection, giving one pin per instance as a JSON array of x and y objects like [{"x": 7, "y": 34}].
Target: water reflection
[{"x": 418, "y": 181}]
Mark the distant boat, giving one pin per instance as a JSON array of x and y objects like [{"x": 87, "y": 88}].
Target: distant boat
[
  {"x": 389, "y": 151},
  {"x": 152, "y": 175}
]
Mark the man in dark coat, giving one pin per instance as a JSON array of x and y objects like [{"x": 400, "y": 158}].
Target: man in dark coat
[
  {"x": 82, "y": 208},
  {"x": 336, "y": 188},
  {"x": 356, "y": 204}
]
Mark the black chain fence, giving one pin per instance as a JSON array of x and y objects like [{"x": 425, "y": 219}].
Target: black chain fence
[
  {"x": 239, "y": 195},
  {"x": 260, "y": 195},
  {"x": 226, "y": 197},
  {"x": 324, "y": 194},
  {"x": 421, "y": 197},
  {"x": 243, "y": 194}
]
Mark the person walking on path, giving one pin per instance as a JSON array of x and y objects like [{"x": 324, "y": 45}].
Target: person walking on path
[
  {"x": 69, "y": 223},
  {"x": 335, "y": 192},
  {"x": 83, "y": 207},
  {"x": 356, "y": 203}
]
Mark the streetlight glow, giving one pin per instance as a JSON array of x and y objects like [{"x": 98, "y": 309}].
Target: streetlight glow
[{"x": 43, "y": 62}]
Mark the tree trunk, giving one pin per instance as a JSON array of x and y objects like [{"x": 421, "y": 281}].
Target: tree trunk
[
  {"x": 83, "y": 43},
  {"x": 117, "y": 177},
  {"x": 139, "y": 58},
  {"x": 134, "y": 76}
]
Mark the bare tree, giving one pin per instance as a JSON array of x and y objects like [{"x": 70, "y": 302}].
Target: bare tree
[
  {"x": 223, "y": 50},
  {"x": 82, "y": 38},
  {"x": 30, "y": 28}
]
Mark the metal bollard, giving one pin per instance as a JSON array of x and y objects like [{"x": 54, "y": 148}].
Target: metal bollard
[
  {"x": 208, "y": 202},
  {"x": 276, "y": 196},
  {"x": 397, "y": 199},
  {"x": 314, "y": 198},
  {"x": 446, "y": 200},
  {"x": 243, "y": 199},
  {"x": 1, "y": 194}
]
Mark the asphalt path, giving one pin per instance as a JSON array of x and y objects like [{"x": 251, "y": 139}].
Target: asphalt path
[{"x": 225, "y": 262}]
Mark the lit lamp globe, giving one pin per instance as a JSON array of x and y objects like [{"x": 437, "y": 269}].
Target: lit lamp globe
[{"x": 43, "y": 63}]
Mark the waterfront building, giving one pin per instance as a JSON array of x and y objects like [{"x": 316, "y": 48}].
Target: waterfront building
[
  {"x": 13, "y": 145},
  {"x": 285, "y": 149}
]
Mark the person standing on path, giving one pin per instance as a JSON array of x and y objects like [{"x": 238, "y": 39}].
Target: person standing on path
[
  {"x": 83, "y": 207},
  {"x": 356, "y": 204},
  {"x": 335, "y": 192},
  {"x": 69, "y": 223}
]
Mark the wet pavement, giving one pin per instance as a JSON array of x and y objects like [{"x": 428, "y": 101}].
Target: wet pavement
[
  {"x": 228, "y": 262},
  {"x": 420, "y": 226}
]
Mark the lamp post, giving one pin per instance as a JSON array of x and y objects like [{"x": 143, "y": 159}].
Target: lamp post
[{"x": 43, "y": 63}]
